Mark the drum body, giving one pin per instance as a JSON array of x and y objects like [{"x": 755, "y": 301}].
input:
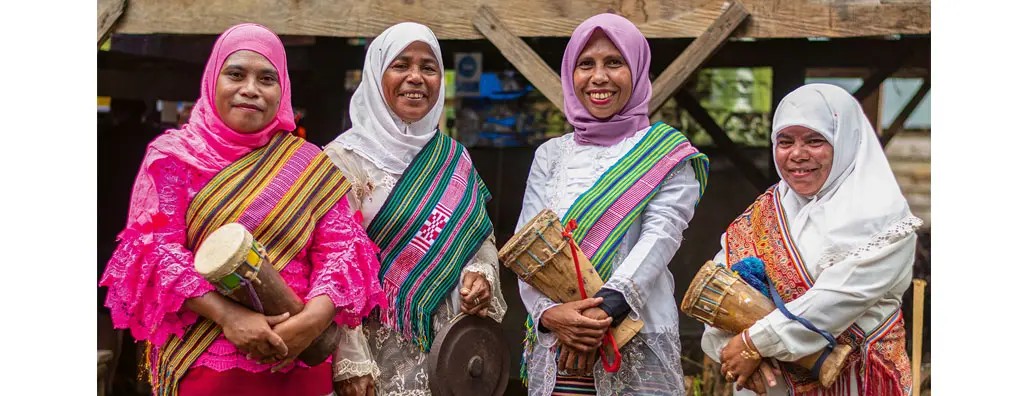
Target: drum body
[
  {"x": 541, "y": 257},
  {"x": 721, "y": 299},
  {"x": 237, "y": 265}
]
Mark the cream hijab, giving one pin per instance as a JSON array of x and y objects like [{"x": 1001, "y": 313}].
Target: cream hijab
[
  {"x": 377, "y": 134},
  {"x": 860, "y": 206}
]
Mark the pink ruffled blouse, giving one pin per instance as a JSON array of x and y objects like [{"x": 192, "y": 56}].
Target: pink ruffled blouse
[{"x": 151, "y": 273}]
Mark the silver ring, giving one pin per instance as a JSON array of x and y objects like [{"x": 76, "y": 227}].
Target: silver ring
[{"x": 476, "y": 300}]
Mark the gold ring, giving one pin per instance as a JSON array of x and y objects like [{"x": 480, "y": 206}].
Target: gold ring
[
  {"x": 476, "y": 300},
  {"x": 729, "y": 376}
]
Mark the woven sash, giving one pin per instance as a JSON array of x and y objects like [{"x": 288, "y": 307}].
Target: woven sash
[
  {"x": 278, "y": 192},
  {"x": 433, "y": 222}
]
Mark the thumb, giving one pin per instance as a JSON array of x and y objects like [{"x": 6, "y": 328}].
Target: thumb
[
  {"x": 274, "y": 320},
  {"x": 589, "y": 303},
  {"x": 467, "y": 285}
]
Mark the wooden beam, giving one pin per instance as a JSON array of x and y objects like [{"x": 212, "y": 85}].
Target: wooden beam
[
  {"x": 696, "y": 54},
  {"x": 521, "y": 55},
  {"x": 107, "y": 14},
  {"x": 722, "y": 140},
  {"x": 452, "y": 19},
  {"x": 901, "y": 119},
  {"x": 874, "y": 81}
]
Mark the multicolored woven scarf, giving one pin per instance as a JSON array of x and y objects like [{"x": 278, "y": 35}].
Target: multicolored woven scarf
[
  {"x": 433, "y": 222},
  {"x": 879, "y": 357},
  {"x": 278, "y": 192},
  {"x": 605, "y": 212}
]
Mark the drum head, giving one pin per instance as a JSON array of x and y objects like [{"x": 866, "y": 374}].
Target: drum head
[
  {"x": 222, "y": 251},
  {"x": 469, "y": 357}
]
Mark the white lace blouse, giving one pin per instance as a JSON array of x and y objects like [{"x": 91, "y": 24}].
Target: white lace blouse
[
  {"x": 396, "y": 364},
  {"x": 563, "y": 170}
]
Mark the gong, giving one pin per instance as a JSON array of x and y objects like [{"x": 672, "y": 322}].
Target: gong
[{"x": 469, "y": 357}]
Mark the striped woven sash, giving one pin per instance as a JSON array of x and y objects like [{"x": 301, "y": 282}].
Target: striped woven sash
[
  {"x": 433, "y": 222},
  {"x": 278, "y": 192},
  {"x": 607, "y": 209}
]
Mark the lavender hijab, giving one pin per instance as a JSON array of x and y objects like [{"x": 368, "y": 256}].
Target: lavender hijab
[{"x": 634, "y": 48}]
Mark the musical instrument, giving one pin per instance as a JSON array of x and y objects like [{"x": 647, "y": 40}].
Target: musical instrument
[
  {"x": 721, "y": 299},
  {"x": 542, "y": 257},
  {"x": 233, "y": 261},
  {"x": 469, "y": 356}
]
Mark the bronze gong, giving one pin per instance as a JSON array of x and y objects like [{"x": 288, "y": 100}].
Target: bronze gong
[{"x": 469, "y": 357}]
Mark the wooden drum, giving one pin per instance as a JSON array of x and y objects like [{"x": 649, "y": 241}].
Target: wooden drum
[
  {"x": 721, "y": 299},
  {"x": 540, "y": 256},
  {"x": 237, "y": 265}
]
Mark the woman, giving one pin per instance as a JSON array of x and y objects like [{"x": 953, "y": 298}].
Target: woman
[
  {"x": 422, "y": 202},
  {"x": 632, "y": 187},
  {"x": 839, "y": 252},
  {"x": 201, "y": 176}
]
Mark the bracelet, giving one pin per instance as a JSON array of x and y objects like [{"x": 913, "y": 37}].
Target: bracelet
[{"x": 749, "y": 353}]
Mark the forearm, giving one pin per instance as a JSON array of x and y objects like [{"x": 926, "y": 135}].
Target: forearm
[{"x": 213, "y": 306}]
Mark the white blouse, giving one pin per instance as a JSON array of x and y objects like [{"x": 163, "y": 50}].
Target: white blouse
[
  {"x": 371, "y": 186},
  {"x": 562, "y": 171}
]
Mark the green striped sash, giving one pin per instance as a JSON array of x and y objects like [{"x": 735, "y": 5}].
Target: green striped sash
[{"x": 433, "y": 222}]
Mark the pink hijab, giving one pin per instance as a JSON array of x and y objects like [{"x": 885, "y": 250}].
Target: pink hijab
[
  {"x": 206, "y": 142},
  {"x": 633, "y": 116}
]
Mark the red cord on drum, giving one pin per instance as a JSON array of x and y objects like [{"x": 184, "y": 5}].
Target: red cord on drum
[{"x": 608, "y": 339}]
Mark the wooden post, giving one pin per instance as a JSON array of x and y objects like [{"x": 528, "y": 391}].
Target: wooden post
[
  {"x": 520, "y": 55},
  {"x": 699, "y": 114},
  {"x": 698, "y": 52},
  {"x": 107, "y": 14},
  {"x": 901, "y": 119},
  {"x": 919, "y": 285}
]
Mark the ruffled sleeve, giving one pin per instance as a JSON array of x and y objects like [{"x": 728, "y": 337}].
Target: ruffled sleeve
[
  {"x": 151, "y": 273},
  {"x": 345, "y": 266}
]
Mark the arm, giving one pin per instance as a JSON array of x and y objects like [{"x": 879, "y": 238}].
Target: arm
[
  {"x": 841, "y": 294},
  {"x": 485, "y": 265},
  {"x": 663, "y": 221}
]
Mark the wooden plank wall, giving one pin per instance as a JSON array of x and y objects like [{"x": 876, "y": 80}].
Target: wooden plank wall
[{"x": 452, "y": 19}]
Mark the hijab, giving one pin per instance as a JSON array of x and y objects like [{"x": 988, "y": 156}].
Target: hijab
[
  {"x": 377, "y": 134},
  {"x": 587, "y": 129}
]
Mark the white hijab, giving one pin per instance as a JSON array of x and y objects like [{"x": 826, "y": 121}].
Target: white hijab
[
  {"x": 860, "y": 205},
  {"x": 377, "y": 134}
]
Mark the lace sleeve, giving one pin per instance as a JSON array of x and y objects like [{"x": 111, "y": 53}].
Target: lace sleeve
[
  {"x": 345, "y": 266},
  {"x": 151, "y": 273},
  {"x": 485, "y": 263},
  {"x": 353, "y": 357}
]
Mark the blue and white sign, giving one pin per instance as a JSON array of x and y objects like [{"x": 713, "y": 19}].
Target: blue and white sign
[{"x": 468, "y": 66}]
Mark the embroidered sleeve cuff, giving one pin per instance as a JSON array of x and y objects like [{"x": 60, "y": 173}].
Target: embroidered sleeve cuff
[{"x": 543, "y": 335}]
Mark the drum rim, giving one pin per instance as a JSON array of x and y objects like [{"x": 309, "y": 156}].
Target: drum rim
[
  {"x": 434, "y": 355},
  {"x": 693, "y": 292},
  {"x": 520, "y": 241},
  {"x": 237, "y": 257}
]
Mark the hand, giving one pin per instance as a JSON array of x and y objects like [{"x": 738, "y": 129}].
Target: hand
[
  {"x": 576, "y": 362},
  {"x": 762, "y": 379},
  {"x": 299, "y": 331},
  {"x": 355, "y": 386},
  {"x": 735, "y": 367},
  {"x": 573, "y": 329},
  {"x": 251, "y": 333},
  {"x": 476, "y": 294}
]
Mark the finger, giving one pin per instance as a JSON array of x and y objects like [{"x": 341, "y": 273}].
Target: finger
[
  {"x": 274, "y": 320},
  {"x": 281, "y": 365},
  {"x": 482, "y": 312},
  {"x": 583, "y": 304},
  {"x": 584, "y": 322},
  {"x": 280, "y": 349},
  {"x": 562, "y": 356},
  {"x": 766, "y": 373},
  {"x": 371, "y": 390},
  {"x": 591, "y": 361}
]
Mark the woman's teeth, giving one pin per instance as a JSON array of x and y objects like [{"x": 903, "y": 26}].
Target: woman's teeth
[
  {"x": 413, "y": 95},
  {"x": 600, "y": 95}
]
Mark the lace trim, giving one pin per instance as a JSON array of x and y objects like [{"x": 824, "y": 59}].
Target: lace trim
[
  {"x": 346, "y": 369},
  {"x": 896, "y": 232},
  {"x": 628, "y": 290}
]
